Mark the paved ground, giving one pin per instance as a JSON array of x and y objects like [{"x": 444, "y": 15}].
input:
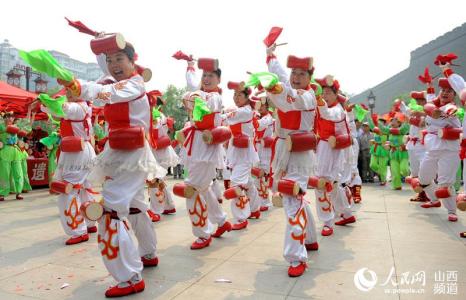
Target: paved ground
[{"x": 391, "y": 235}]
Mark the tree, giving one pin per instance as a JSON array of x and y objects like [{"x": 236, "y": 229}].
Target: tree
[{"x": 174, "y": 106}]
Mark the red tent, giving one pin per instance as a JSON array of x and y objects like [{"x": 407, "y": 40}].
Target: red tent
[{"x": 16, "y": 100}]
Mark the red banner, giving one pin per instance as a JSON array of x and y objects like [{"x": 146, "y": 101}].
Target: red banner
[{"x": 38, "y": 171}]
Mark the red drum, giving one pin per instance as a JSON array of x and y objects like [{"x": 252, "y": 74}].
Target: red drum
[
  {"x": 443, "y": 192},
  {"x": 61, "y": 187},
  {"x": 72, "y": 144},
  {"x": 461, "y": 202},
  {"x": 300, "y": 142},
  {"x": 450, "y": 133},
  {"x": 241, "y": 141},
  {"x": 233, "y": 193},
  {"x": 288, "y": 187},
  {"x": 12, "y": 129},
  {"x": 416, "y": 185},
  {"x": 257, "y": 172},
  {"x": 108, "y": 44},
  {"x": 207, "y": 64},
  {"x": 163, "y": 142},
  {"x": 218, "y": 135},
  {"x": 319, "y": 183},
  {"x": 127, "y": 138},
  {"x": 340, "y": 141},
  {"x": 92, "y": 210},
  {"x": 183, "y": 190},
  {"x": 145, "y": 73},
  {"x": 431, "y": 110},
  {"x": 22, "y": 133}
]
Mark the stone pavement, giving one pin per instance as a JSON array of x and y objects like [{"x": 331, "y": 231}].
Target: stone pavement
[{"x": 391, "y": 234}]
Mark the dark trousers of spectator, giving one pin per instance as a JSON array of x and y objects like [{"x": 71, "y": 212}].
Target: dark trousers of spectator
[
  {"x": 367, "y": 175},
  {"x": 178, "y": 171}
]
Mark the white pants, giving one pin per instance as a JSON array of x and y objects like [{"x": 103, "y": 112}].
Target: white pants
[
  {"x": 143, "y": 227},
  {"x": 119, "y": 253},
  {"x": 443, "y": 164},
  {"x": 216, "y": 189},
  {"x": 263, "y": 191},
  {"x": 73, "y": 222},
  {"x": 329, "y": 167},
  {"x": 416, "y": 156},
  {"x": 242, "y": 207},
  {"x": 300, "y": 224},
  {"x": 160, "y": 200},
  {"x": 203, "y": 208}
]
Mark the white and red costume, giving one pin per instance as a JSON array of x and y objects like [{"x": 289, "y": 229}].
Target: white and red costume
[
  {"x": 296, "y": 114},
  {"x": 441, "y": 160},
  {"x": 240, "y": 161},
  {"x": 331, "y": 122},
  {"x": 201, "y": 162},
  {"x": 263, "y": 140},
  {"x": 73, "y": 167},
  {"x": 161, "y": 198},
  {"x": 123, "y": 173}
]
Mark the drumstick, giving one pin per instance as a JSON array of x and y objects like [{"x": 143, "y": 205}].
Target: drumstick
[{"x": 281, "y": 44}]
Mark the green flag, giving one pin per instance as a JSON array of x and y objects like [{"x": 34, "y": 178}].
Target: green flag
[
  {"x": 50, "y": 140},
  {"x": 156, "y": 113},
  {"x": 460, "y": 113},
  {"x": 54, "y": 105},
  {"x": 319, "y": 87},
  {"x": 265, "y": 79},
  {"x": 200, "y": 109},
  {"x": 42, "y": 61},
  {"x": 414, "y": 106},
  {"x": 359, "y": 112}
]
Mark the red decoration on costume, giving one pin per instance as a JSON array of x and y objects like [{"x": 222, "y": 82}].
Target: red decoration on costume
[
  {"x": 108, "y": 249},
  {"x": 443, "y": 59},
  {"x": 427, "y": 78},
  {"x": 300, "y": 220},
  {"x": 179, "y": 55},
  {"x": 163, "y": 142},
  {"x": 274, "y": 33},
  {"x": 73, "y": 213},
  {"x": 81, "y": 27},
  {"x": 200, "y": 210}
]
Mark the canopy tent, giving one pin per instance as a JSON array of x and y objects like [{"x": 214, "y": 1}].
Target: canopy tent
[{"x": 17, "y": 100}]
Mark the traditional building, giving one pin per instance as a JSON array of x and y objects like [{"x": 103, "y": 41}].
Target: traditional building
[
  {"x": 406, "y": 80},
  {"x": 13, "y": 69}
]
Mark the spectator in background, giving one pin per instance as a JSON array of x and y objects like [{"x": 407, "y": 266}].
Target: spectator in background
[{"x": 364, "y": 140}]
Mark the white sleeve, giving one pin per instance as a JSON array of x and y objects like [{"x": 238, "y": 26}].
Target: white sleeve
[
  {"x": 191, "y": 80},
  {"x": 214, "y": 102},
  {"x": 456, "y": 82},
  {"x": 102, "y": 62},
  {"x": 240, "y": 115},
  {"x": 73, "y": 111},
  {"x": 301, "y": 100},
  {"x": 276, "y": 68},
  {"x": 265, "y": 122},
  {"x": 332, "y": 114},
  {"x": 122, "y": 91}
]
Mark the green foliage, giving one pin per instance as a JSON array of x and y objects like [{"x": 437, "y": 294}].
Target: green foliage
[{"x": 174, "y": 106}]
